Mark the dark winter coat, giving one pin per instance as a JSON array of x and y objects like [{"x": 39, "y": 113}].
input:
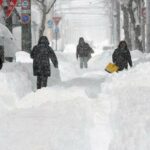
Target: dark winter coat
[
  {"x": 121, "y": 57},
  {"x": 84, "y": 50},
  {"x": 41, "y": 54}
]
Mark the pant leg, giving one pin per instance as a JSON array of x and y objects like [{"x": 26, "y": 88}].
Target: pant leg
[
  {"x": 81, "y": 62},
  {"x": 44, "y": 81},
  {"x": 85, "y": 61},
  {"x": 39, "y": 82}
]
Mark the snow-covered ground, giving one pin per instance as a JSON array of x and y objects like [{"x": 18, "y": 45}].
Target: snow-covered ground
[{"x": 79, "y": 110}]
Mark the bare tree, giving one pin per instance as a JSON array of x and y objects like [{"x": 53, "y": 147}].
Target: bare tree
[
  {"x": 45, "y": 9},
  {"x": 126, "y": 25},
  {"x": 134, "y": 27},
  {"x": 148, "y": 26},
  {"x": 113, "y": 11},
  {"x": 135, "y": 20},
  {"x": 116, "y": 15}
]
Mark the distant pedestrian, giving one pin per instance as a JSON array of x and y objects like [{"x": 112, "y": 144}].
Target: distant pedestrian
[
  {"x": 83, "y": 52},
  {"x": 41, "y": 54},
  {"x": 122, "y": 57},
  {"x": 1, "y": 56}
]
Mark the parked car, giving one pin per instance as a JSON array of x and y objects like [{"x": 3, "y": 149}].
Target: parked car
[{"x": 8, "y": 42}]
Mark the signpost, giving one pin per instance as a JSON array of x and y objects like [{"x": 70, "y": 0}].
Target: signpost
[
  {"x": 56, "y": 20},
  {"x": 25, "y": 4},
  {"x": 1, "y": 2},
  {"x": 50, "y": 23},
  {"x": 26, "y": 25},
  {"x": 25, "y": 18},
  {"x": 11, "y": 6}
]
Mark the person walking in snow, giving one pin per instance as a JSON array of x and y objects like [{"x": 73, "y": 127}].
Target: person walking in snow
[
  {"x": 122, "y": 57},
  {"x": 41, "y": 54},
  {"x": 1, "y": 56},
  {"x": 83, "y": 52}
]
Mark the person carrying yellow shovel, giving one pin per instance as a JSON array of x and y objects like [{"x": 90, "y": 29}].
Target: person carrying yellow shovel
[{"x": 121, "y": 58}]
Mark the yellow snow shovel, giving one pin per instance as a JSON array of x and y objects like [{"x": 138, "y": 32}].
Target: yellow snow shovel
[{"x": 111, "y": 68}]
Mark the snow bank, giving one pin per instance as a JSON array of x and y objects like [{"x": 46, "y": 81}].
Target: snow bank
[
  {"x": 23, "y": 57},
  {"x": 128, "y": 93},
  {"x": 68, "y": 66},
  {"x": 70, "y": 48},
  {"x": 14, "y": 85},
  {"x": 48, "y": 121},
  {"x": 17, "y": 80},
  {"x": 75, "y": 113},
  {"x": 17, "y": 36},
  {"x": 99, "y": 62}
]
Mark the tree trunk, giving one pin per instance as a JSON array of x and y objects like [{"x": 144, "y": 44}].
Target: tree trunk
[
  {"x": 142, "y": 9},
  {"x": 45, "y": 11},
  {"x": 111, "y": 24},
  {"x": 42, "y": 28},
  {"x": 148, "y": 26},
  {"x": 136, "y": 28},
  {"x": 117, "y": 6},
  {"x": 126, "y": 26}
]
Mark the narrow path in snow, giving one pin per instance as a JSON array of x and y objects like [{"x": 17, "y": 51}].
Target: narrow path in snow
[
  {"x": 91, "y": 86},
  {"x": 66, "y": 115}
]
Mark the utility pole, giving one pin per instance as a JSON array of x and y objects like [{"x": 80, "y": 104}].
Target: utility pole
[{"x": 26, "y": 25}]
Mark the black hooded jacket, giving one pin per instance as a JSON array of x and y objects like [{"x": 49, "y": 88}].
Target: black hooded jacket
[
  {"x": 41, "y": 54},
  {"x": 83, "y": 49},
  {"x": 121, "y": 57}
]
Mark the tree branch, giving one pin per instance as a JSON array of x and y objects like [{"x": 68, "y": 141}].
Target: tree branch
[{"x": 51, "y": 7}]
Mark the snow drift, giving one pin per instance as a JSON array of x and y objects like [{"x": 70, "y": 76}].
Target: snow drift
[{"x": 128, "y": 93}]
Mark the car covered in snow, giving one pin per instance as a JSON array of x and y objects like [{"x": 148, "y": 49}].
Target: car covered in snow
[{"x": 8, "y": 42}]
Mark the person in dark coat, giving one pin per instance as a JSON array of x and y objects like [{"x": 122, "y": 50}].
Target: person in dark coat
[
  {"x": 122, "y": 57},
  {"x": 83, "y": 52},
  {"x": 41, "y": 54},
  {"x": 1, "y": 56}
]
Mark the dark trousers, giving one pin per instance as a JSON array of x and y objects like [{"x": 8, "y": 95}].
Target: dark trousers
[
  {"x": 83, "y": 62},
  {"x": 41, "y": 81}
]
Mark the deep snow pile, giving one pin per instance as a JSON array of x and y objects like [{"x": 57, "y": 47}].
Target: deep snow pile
[
  {"x": 15, "y": 84},
  {"x": 50, "y": 119},
  {"x": 74, "y": 114},
  {"x": 65, "y": 116},
  {"x": 58, "y": 117},
  {"x": 17, "y": 80},
  {"x": 129, "y": 94}
]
